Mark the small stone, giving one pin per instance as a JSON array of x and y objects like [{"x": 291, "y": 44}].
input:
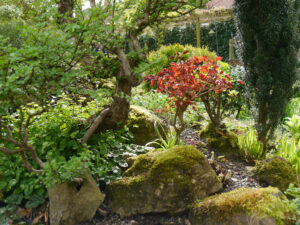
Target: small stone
[
  {"x": 250, "y": 169},
  {"x": 234, "y": 179},
  {"x": 133, "y": 222},
  {"x": 187, "y": 222}
]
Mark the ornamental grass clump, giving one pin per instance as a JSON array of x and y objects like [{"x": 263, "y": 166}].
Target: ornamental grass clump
[{"x": 251, "y": 147}]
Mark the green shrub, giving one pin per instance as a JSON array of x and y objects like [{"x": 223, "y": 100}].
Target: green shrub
[
  {"x": 248, "y": 143},
  {"x": 9, "y": 12},
  {"x": 161, "y": 58},
  {"x": 11, "y": 31}
]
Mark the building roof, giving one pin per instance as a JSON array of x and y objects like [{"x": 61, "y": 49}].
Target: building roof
[{"x": 227, "y": 4}]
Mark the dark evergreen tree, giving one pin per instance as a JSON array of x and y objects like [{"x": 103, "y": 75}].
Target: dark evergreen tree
[{"x": 268, "y": 36}]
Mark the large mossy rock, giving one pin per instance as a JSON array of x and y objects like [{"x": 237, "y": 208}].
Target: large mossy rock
[
  {"x": 245, "y": 206},
  {"x": 163, "y": 181},
  {"x": 70, "y": 206},
  {"x": 141, "y": 123},
  {"x": 223, "y": 141},
  {"x": 276, "y": 172}
]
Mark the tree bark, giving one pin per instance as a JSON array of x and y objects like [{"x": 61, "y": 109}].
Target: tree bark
[
  {"x": 238, "y": 112},
  {"x": 119, "y": 109},
  {"x": 65, "y": 9},
  {"x": 92, "y": 3}
]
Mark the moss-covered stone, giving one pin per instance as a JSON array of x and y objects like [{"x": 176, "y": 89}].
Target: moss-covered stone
[
  {"x": 276, "y": 172},
  {"x": 245, "y": 206},
  {"x": 225, "y": 145},
  {"x": 208, "y": 131},
  {"x": 141, "y": 123},
  {"x": 163, "y": 181},
  {"x": 221, "y": 140}
]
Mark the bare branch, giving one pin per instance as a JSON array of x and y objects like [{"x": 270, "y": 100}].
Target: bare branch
[
  {"x": 27, "y": 165},
  {"x": 127, "y": 70},
  {"x": 34, "y": 155},
  {"x": 142, "y": 23},
  {"x": 10, "y": 152},
  {"x": 94, "y": 126},
  {"x": 24, "y": 146}
]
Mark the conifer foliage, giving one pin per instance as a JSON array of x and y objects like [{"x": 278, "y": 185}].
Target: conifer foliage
[{"x": 267, "y": 31}]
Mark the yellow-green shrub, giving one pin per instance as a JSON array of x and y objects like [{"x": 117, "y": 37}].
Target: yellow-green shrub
[{"x": 161, "y": 58}]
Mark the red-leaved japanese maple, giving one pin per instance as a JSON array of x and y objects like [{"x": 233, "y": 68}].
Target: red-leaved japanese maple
[{"x": 187, "y": 81}]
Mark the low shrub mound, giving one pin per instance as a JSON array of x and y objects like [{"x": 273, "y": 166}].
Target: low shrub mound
[{"x": 276, "y": 172}]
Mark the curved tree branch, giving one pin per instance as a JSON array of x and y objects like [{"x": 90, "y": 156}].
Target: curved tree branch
[{"x": 94, "y": 126}]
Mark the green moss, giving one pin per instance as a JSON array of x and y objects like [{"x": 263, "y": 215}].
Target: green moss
[
  {"x": 225, "y": 144},
  {"x": 261, "y": 202},
  {"x": 141, "y": 123},
  {"x": 166, "y": 163},
  {"x": 208, "y": 131},
  {"x": 276, "y": 172},
  {"x": 141, "y": 164},
  {"x": 166, "y": 179},
  {"x": 221, "y": 140}
]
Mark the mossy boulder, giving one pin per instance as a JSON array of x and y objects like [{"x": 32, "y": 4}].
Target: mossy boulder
[
  {"x": 208, "y": 131},
  {"x": 141, "y": 123},
  {"x": 222, "y": 140},
  {"x": 245, "y": 206},
  {"x": 163, "y": 181},
  {"x": 276, "y": 172},
  {"x": 226, "y": 145}
]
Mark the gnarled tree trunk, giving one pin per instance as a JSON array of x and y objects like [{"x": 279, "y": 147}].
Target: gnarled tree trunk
[{"x": 65, "y": 9}]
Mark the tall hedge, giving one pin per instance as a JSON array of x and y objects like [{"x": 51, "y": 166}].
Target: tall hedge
[
  {"x": 267, "y": 30},
  {"x": 186, "y": 35}
]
